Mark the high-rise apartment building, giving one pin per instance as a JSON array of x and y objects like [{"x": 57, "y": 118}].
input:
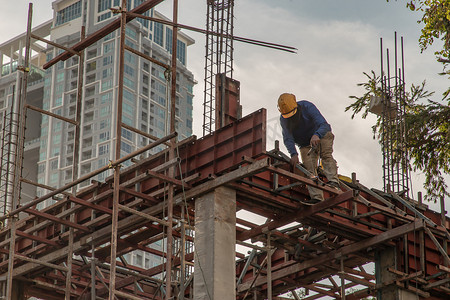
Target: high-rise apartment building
[{"x": 49, "y": 145}]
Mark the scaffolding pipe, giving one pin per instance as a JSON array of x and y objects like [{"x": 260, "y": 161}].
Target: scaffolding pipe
[
  {"x": 76, "y": 159},
  {"x": 116, "y": 193},
  {"x": 18, "y": 155},
  {"x": 171, "y": 171}
]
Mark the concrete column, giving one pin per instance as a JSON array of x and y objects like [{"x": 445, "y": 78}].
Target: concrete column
[
  {"x": 215, "y": 239},
  {"x": 387, "y": 259}
]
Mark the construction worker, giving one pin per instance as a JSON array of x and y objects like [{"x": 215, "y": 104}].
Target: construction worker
[{"x": 303, "y": 124}]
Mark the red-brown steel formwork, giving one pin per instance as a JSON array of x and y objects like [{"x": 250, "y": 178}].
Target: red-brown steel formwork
[{"x": 354, "y": 224}]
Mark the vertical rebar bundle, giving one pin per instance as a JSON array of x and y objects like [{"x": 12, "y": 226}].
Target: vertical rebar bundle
[
  {"x": 396, "y": 166},
  {"x": 219, "y": 54}
]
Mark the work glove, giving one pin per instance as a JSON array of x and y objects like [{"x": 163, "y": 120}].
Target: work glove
[
  {"x": 315, "y": 141},
  {"x": 294, "y": 160}
]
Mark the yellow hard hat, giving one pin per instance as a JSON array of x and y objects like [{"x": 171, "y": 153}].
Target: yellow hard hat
[{"x": 287, "y": 105}]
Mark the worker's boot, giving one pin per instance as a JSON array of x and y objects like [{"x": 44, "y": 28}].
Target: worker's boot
[{"x": 334, "y": 185}]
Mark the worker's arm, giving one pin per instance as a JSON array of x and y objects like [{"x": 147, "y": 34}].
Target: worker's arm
[
  {"x": 318, "y": 119},
  {"x": 288, "y": 138}
]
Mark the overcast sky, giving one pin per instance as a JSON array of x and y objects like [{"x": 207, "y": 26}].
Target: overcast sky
[{"x": 337, "y": 41}]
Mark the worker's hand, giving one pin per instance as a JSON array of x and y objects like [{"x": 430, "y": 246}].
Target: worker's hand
[
  {"x": 294, "y": 160},
  {"x": 315, "y": 141}
]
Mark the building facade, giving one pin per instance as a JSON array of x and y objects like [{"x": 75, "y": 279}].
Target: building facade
[{"x": 49, "y": 146}]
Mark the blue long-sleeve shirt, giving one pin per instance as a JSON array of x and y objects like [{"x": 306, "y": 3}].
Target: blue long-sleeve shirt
[{"x": 299, "y": 129}]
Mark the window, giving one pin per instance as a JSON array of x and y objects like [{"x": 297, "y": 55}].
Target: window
[
  {"x": 86, "y": 168},
  {"x": 59, "y": 89},
  {"x": 90, "y": 91},
  {"x": 57, "y": 126},
  {"x": 127, "y": 134},
  {"x": 144, "y": 104},
  {"x": 89, "y": 116},
  {"x": 91, "y": 53},
  {"x": 127, "y": 120},
  {"x": 158, "y": 111},
  {"x": 181, "y": 52},
  {"x": 68, "y": 175},
  {"x": 106, "y": 98},
  {"x": 107, "y": 60},
  {"x": 161, "y": 100},
  {"x": 159, "y": 34},
  {"x": 104, "y": 111},
  {"x": 139, "y": 260},
  {"x": 104, "y": 123},
  {"x": 56, "y": 139},
  {"x": 54, "y": 178},
  {"x": 189, "y": 99},
  {"x": 130, "y": 32},
  {"x": 129, "y": 96},
  {"x": 101, "y": 162},
  {"x": 145, "y": 79},
  {"x": 60, "y": 77},
  {"x": 90, "y": 78},
  {"x": 58, "y": 101},
  {"x": 69, "y": 149},
  {"x": 125, "y": 147},
  {"x": 41, "y": 168},
  {"x": 128, "y": 70},
  {"x": 103, "y": 149},
  {"x": 161, "y": 125},
  {"x": 103, "y": 5},
  {"x": 104, "y": 136},
  {"x": 169, "y": 39},
  {"x": 104, "y": 17},
  {"x": 91, "y": 66},
  {"x": 128, "y": 82},
  {"x": 130, "y": 57},
  {"x": 106, "y": 85},
  {"x": 145, "y": 91},
  {"x": 107, "y": 72},
  {"x": 54, "y": 164},
  {"x": 108, "y": 47},
  {"x": 112, "y": 34},
  {"x": 42, "y": 155},
  {"x": 69, "y": 13},
  {"x": 128, "y": 108}
]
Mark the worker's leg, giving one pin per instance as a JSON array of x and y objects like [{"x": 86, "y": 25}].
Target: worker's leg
[
  {"x": 328, "y": 162},
  {"x": 310, "y": 162}
]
